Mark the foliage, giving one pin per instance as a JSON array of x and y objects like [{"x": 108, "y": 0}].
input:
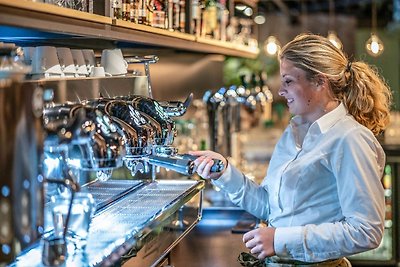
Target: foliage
[{"x": 235, "y": 67}]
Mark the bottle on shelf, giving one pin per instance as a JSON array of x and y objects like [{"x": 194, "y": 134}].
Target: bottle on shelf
[
  {"x": 170, "y": 15},
  {"x": 126, "y": 10},
  {"x": 159, "y": 14},
  {"x": 223, "y": 20},
  {"x": 116, "y": 7},
  {"x": 149, "y": 12},
  {"x": 209, "y": 20},
  {"x": 196, "y": 18},
  {"x": 182, "y": 15},
  {"x": 175, "y": 15},
  {"x": 133, "y": 11},
  {"x": 142, "y": 12}
]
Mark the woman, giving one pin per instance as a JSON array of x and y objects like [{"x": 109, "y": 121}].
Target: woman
[{"x": 322, "y": 196}]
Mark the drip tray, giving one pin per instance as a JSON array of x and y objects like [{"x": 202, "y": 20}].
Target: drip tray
[
  {"x": 142, "y": 225},
  {"x": 107, "y": 192}
]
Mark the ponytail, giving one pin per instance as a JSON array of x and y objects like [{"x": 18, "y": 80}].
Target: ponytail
[{"x": 367, "y": 97}]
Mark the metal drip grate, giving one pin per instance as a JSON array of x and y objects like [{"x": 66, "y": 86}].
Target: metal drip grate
[
  {"x": 127, "y": 222},
  {"x": 106, "y": 192},
  {"x": 132, "y": 213}
]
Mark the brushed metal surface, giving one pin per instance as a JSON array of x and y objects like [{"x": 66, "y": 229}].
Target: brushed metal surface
[{"x": 134, "y": 222}]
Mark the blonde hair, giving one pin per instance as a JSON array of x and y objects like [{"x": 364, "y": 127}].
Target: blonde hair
[{"x": 358, "y": 85}]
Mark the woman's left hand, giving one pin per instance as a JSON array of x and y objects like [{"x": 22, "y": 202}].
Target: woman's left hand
[{"x": 260, "y": 241}]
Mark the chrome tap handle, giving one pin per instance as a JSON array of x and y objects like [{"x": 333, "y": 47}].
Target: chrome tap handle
[
  {"x": 217, "y": 167},
  {"x": 181, "y": 165}
]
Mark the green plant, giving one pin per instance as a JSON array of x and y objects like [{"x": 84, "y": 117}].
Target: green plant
[{"x": 235, "y": 67}]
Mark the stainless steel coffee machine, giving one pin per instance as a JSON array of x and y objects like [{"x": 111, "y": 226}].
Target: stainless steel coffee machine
[
  {"x": 61, "y": 136},
  {"x": 21, "y": 142}
]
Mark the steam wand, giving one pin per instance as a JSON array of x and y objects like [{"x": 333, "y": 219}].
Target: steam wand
[
  {"x": 146, "y": 60},
  {"x": 55, "y": 249},
  {"x": 70, "y": 183}
]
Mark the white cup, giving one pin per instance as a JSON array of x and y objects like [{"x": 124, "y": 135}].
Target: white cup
[
  {"x": 66, "y": 61},
  {"x": 98, "y": 72},
  {"x": 45, "y": 60},
  {"x": 79, "y": 62},
  {"x": 113, "y": 62},
  {"x": 90, "y": 58}
]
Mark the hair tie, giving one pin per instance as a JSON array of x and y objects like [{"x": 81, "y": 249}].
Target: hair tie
[{"x": 348, "y": 66}]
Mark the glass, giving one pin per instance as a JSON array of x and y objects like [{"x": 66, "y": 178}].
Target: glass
[{"x": 82, "y": 211}]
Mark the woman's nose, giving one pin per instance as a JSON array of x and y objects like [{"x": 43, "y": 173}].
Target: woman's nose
[{"x": 281, "y": 92}]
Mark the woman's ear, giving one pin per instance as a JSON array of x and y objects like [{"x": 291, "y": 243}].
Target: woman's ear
[{"x": 321, "y": 82}]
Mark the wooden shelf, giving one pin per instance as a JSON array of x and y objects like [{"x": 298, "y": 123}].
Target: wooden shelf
[
  {"x": 74, "y": 24},
  {"x": 250, "y": 3}
]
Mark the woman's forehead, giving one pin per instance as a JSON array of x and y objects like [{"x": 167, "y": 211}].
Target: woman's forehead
[{"x": 289, "y": 69}]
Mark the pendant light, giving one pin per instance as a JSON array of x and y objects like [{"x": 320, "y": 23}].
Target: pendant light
[
  {"x": 332, "y": 36},
  {"x": 271, "y": 46},
  {"x": 374, "y": 45}
]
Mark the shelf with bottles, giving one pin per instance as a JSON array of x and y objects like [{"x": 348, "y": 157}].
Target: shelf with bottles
[{"x": 69, "y": 24}]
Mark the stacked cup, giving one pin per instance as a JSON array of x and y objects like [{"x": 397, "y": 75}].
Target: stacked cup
[
  {"x": 79, "y": 61},
  {"x": 66, "y": 61},
  {"x": 113, "y": 62},
  {"x": 45, "y": 63}
]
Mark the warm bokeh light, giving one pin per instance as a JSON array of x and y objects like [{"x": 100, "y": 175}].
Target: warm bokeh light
[
  {"x": 334, "y": 39},
  {"x": 271, "y": 46},
  {"x": 374, "y": 45}
]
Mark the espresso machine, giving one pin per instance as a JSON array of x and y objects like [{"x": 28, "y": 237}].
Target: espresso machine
[
  {"x": 21, "y": 144},
  {"x": 61, "y": 137}
]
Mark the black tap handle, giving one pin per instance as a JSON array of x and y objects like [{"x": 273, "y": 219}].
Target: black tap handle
[{"x": 218, "y": 165}]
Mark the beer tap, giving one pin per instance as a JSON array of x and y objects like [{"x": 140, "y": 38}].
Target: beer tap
[
  {"x": 213, "y": 102},
  {"x": 228, "y": 110}
]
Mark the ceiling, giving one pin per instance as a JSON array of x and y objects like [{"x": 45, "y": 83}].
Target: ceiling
[{"x": 361, "y": 9}]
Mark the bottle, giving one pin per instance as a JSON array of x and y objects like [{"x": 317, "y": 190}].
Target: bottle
[
  {"x": 116, "y": 7},
  {"x": 223, "y": 18},
  {"x": 210, "y": 18},
  {"x": 175, "y": 14},
  {"x": 149, "y": 12},
  {"x": 170, "y": 15},
  {"x": 133, "y": 11},
  {"x": 142, "y": 12},
  {"x": 158, "y": 15},
  {"x": 182, "y": 15},
  {"x": 196, "y": 18},
  {"x": 125, "y": 10}
]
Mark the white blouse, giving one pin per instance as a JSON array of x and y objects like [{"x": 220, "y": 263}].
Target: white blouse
[{"x": 323, "y": 189}]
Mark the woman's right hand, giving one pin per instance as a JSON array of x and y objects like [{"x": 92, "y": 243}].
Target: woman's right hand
[{"x": 205, "y": 161}]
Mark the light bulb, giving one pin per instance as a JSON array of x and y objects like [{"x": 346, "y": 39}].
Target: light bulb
[
  {"x": 374, "y": 45},
  {"x": 334, "y": 39},
  {"x": 259, "y": 19},
  {"x": 271, "y": 46}
]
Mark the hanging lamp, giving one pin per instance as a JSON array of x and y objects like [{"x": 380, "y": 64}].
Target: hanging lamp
[
  {"x": 374, "y": 45},
  {"x": 332, "y": 36},
  {"x": 272, "y": 46}
]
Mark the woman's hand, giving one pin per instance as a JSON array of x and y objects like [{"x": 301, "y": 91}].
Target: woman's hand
[
  {"x": 205, "y": 161},
  {"x": 260, "y": 241}
]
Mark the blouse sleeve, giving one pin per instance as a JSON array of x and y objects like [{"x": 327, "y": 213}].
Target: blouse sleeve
[{"x": 244, "y": 192}]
